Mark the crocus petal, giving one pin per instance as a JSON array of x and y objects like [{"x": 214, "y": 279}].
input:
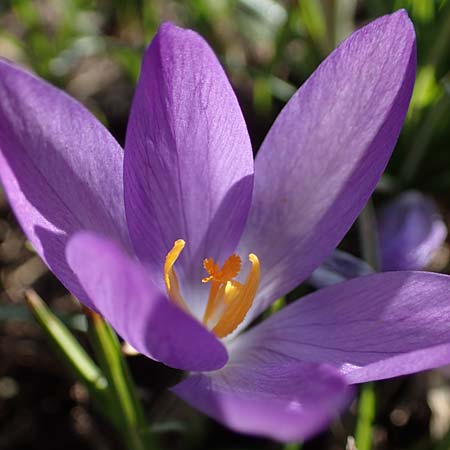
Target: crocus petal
[
  {"x": 188, "y": 159},
  {"x": 61, "y": 169},
  {"x": 411, "y": 230},
  {"x": 326, "y": 151},
  {"x": 123, "y": 292},
  {"x": 374, "y": 327},
  {"x": 339, "y": 267},
  {"x": 283, "y": 399}
]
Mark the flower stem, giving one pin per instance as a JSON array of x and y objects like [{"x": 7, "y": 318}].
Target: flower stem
[
  {"x": 292, "y": 446},
  {"x": 368, "y": 235},
  {"x": 366, "y": 416},
  {"x": 444, "y": 444},
  {"x": 128, "y": 410}
]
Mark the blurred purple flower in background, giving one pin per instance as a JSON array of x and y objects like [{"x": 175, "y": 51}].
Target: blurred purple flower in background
[
  {"x": 154, "y": 238},
  {"x": 340, "y": 266},
  {"x": 410, "y": 231}
]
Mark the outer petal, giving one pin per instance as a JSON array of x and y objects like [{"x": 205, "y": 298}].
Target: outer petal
[
  {"x": 326, "y": 151},
  {"x": 275, "y": 397},
  {"x": 411, "y": 230},
  {"x": 61, "y": 169},
  {"x": 374, "y": 327},
  {"x": 124, "y": 294},
  {"x": 188, "y": 159}
]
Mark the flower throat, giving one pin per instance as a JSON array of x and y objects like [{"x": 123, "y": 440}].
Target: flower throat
[{"x": 228, "y": 301}]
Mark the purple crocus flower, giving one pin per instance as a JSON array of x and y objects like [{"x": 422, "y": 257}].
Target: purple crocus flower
[
  {"x": 182, "y": 240},
  {"x": 410, "y": 230}
]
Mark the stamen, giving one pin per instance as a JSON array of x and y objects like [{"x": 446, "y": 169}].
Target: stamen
[
  {"x": 238, "y": 299},
  {"x": 219, "y": 277},
  {"x": 170, "y": 277},
  {"x": 229, "y": 300}
]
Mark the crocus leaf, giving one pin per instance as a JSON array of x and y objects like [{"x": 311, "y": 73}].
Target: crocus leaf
[{"x": 70, "y": 350}]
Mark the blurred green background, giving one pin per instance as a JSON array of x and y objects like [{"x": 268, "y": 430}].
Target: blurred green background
[{"x": 92, "y": 50}]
